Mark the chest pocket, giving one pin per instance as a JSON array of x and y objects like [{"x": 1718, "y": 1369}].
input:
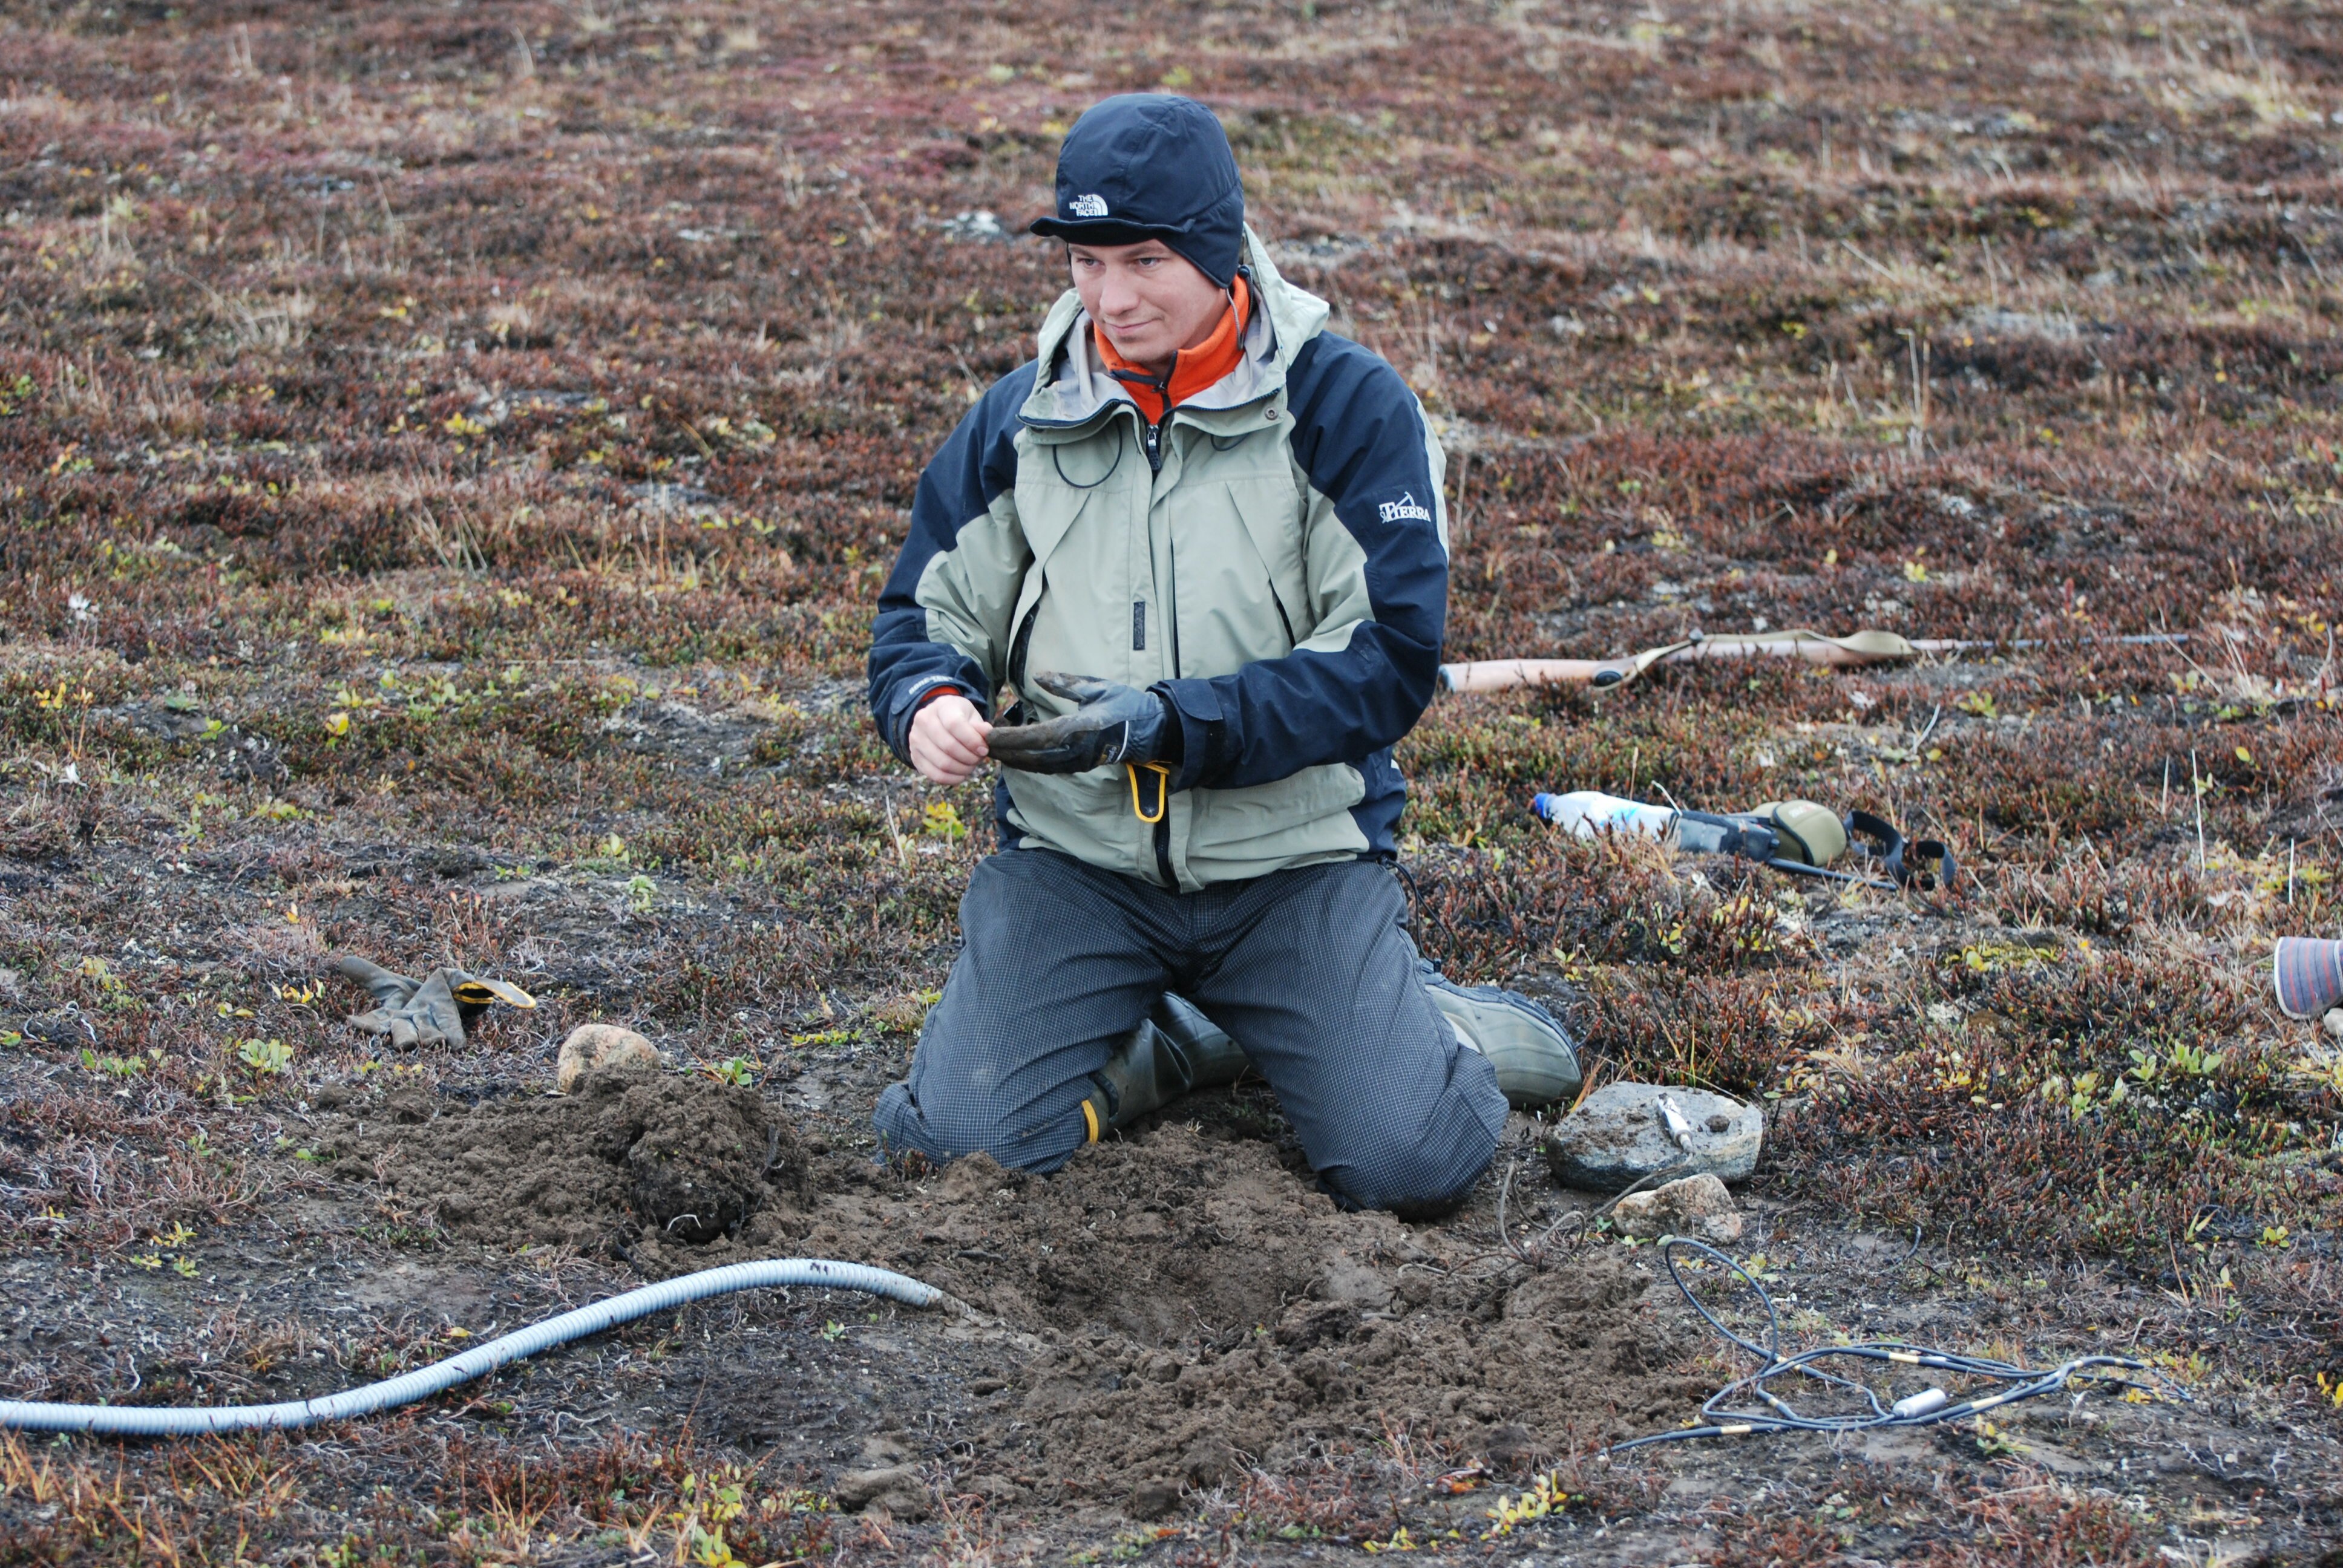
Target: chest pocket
[{"x": 1236, "y": 523}]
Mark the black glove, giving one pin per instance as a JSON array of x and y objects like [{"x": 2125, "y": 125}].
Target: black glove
[{"x": 1113, "y": 724}]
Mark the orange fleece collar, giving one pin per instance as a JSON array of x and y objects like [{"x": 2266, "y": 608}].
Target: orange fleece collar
[{"x": 1193, "y": 370}]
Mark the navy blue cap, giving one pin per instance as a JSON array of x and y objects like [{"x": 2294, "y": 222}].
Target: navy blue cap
[{"x": 1150, "y": 165}]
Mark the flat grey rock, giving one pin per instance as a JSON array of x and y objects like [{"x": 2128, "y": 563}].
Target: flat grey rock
[{"x": 1614, "y": 1139}]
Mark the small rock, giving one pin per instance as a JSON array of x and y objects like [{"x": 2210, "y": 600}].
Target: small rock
[
  {"x": 2333, "y": 1023},
  {"x": 1153, "y": 1499},
  {"x": 604, "y": 1047},
  {"x": 895, "y": 1492},
  {"x": 65, "y": 1028},
  {"x": 979, "y": 225},
  {"x": 858, "y": 1488},
  {"x": 1614, "y": 1139},
  {"x": 1698, "y": 1206},
  {"x": 997, "y": 1490},
  {"x": 666, "y": 497},
  {"x": 248, "y": 758}
]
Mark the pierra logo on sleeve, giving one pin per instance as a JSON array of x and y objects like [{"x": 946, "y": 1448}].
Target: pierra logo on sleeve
[
  {"x": 1407, "y": 509},
  {"x": 1091, "y": 206}
]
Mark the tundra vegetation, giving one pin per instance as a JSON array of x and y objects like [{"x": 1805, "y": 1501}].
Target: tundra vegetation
[{"x": 448, "y": 456}]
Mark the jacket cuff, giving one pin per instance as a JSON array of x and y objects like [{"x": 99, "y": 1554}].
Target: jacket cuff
[
  {"x": 1195, "y": 707},
  {"x": 916, "y": 695}
]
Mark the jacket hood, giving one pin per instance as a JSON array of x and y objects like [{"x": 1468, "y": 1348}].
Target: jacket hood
[{"x": 1072, "y": 386}]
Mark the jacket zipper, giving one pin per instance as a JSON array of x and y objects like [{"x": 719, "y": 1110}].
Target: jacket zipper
[
  {"x": 1171, "y": 631},
  {"x": 1017, "y": 646},
  {"x": 1163, "y": 851}
]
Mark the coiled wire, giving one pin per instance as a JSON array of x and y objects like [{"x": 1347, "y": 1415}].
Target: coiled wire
[{"x": 1721, "y": 1420}]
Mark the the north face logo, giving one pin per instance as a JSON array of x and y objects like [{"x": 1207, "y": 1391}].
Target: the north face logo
[
  {"x": 1405, "y": 509},
  {"x": 1089, "y": 206}
]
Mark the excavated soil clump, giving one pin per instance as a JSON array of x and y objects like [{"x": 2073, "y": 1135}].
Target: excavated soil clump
[
  {"x": 1173, "y": 1309},
  {"x": 1199, "y": 1310},
  {"x": 686, "y": 1159}
]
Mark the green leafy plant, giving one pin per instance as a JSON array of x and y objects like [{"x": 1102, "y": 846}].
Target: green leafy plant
[{"x": 265, "y": 1057}]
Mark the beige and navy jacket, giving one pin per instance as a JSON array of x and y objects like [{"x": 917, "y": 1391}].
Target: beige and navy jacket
[{"x": 1273, "y": 560}]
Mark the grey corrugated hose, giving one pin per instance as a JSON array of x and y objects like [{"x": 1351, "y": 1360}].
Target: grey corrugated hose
[{"x": 159, "y": 1420}]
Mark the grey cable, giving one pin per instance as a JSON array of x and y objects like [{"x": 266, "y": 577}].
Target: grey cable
[
  {"x": 159, "y": 1420},
  {"x": 1932, "y": 1407}
]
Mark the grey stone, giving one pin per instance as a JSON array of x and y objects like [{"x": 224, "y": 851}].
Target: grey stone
[
  {"x": 1614, "y": 1139},
  {"x": 894, "y": 1490}
]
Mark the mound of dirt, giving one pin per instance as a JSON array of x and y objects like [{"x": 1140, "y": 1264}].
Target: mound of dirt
[
  {"x": 684, "y": 1159},
  {"x": 1176, "y": 1308},
  {"x": 1201, "y": 1309}
]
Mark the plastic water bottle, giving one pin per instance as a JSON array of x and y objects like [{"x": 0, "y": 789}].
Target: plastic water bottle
[{"x": 1586, "y": 812}]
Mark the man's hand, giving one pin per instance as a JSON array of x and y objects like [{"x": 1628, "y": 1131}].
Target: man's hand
[
  {"x": 948, "y": 740},
  {"x": 1113, "y": 724}
]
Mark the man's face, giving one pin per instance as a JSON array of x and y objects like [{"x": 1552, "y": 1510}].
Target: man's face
[{"x": 1148, "y": 300}]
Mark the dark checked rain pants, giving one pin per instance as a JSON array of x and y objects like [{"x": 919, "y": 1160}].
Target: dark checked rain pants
[{"x": 1310, "y": 969}]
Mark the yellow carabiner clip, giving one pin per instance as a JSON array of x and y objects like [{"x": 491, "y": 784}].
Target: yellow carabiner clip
[{"x": 1162, "y": 789}]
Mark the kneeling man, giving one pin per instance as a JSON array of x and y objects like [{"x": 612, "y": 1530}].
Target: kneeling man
[{"x": 1183, "y": 576}]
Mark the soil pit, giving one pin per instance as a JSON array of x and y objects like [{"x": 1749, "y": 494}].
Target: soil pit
[
  {"x": 627, "y": 1156},
  {"x": 1175, "y": 1308}
]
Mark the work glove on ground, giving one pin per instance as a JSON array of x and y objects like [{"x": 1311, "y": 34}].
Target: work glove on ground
[
  {"x": 434, "y": 1011},
  {"x": 1114, "y": 724}
]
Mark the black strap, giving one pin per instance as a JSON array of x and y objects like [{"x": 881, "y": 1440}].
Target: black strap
[
  {"x": 1916, "y": 863},
  {"x": 1702, "y": 832},
  {"x": 1800, "y": 868}
]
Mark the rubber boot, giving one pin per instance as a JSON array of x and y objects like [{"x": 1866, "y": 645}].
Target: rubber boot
[
  {"x": 1175, "y": 1048},
  {"x": 1213, "y": 1058},
  {"x": 1536, "y": 1060}
]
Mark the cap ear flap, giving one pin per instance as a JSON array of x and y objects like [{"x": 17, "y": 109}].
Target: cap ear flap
[{"x": 1810, "y": 833}]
